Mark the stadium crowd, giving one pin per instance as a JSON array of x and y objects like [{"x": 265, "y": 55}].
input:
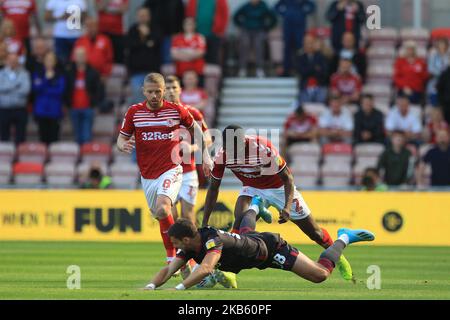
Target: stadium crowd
[{"x": 91, "y": 73}]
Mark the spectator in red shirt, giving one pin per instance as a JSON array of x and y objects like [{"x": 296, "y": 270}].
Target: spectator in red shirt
[
  {"x": 98, "y": 47},
  {"x": 192, "y": 94},
  {"x": 434, "y": 125},
  {"x": 85, "y": 92},
  {"x": 346, "y": 83},
  {"x": 21, "y": 12},
  {"x": 188, "y": 49},
  {"x": 300, "y": 127},
  {"x": 14, "y": 44},
  {"x": 110, "y": 22},
  {"x": 410, "y": 74},
  {"x": 211, "y": 17}
]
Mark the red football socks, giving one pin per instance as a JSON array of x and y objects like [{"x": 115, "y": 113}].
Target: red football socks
[{"x": 164, "y": 225}]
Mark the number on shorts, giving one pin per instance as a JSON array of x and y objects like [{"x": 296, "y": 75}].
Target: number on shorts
[{"x": 280, "y": 259}]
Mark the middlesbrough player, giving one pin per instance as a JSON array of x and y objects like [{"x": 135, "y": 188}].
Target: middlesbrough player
[
  {"x": 151, "y": 126},
  {"x": 212, "y": 248},
  {"x": 189, "y": 187},
  {"x": 267, "y": 181}
]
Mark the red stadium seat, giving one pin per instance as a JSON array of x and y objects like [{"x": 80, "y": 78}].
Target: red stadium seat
[
  {"x": 337, "y": 153},
  {"x": 96, "y": 151},
  {"x": 440, "y": 33},
  {"x": 28, "y": 173},
  {"x": 32, "y": 152}
]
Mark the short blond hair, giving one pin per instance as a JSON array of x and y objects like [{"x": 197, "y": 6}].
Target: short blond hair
[{"x": 155, "y": 78}]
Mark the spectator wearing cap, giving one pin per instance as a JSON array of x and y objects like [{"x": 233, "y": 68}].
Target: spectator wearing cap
[
  {"x": 402, "y": 118},
  {"x": 98, "y": 48},
  {"x": 312, "y": 67},
  {"x": 345, "y": 16},
  {"x": 14, "y": 90},
  {"x": 369, "y": 122},
  {"x": 295, "y": 14},
  {"x": 300, "y": 126},
  {"x": 110, "y": 23},
  {"x": 49, "y": 85},
  {"x": 438, "y": 61},
  {"x": 439, "y": 159},
  {"x": 188, "y": 49},
  {"x": 410, "y": 74},
  {"x": 65, "y": 35},
  {"x": 346, "y": 83},
  {"x": 211, "y": 18},
  {"x": 254, "y": 20},
  {"x": 351, "y": 52},
  {"x": 395, "y": 161},
  {"x": 336, "y": 123},
  {"x": 143, "y": 54}
]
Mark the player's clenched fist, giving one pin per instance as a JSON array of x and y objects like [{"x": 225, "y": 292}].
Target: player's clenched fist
[{"x": 127, "y": 146}]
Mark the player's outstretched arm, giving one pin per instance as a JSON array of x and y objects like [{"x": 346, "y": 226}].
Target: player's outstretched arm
[
  {"x": 125, "y": 144},
  {"x": 165, "y": 273},
  {"x": 211, "y": 200},
  {"x": 288, "y": 181},
  {"x": 206, "y": 268}
]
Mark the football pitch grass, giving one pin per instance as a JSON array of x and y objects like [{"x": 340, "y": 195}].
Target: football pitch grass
[{"x": 37, "y": 270}]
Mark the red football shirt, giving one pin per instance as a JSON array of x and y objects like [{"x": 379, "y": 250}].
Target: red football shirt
[
  {"x": 260, "y": 167},
  {"x": 346, "y": 84},
  {"x": 80, "y": 98},
  {"x": 19, "y": 12},
  {"x": 197, "y": 41},
  {"x": 100, "y": 52},
  {"x": 194, "y": 97},
  {"x": 109, "y": 22},
  {"x": 197, "y": 115},
  {"x": 155, "y": 134}
]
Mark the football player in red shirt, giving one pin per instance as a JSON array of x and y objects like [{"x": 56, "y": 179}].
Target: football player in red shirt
[
  {"x": 267, "y": 181},
  {"x": 189, "y": 186},
  {"x": 152, "y": 127}
]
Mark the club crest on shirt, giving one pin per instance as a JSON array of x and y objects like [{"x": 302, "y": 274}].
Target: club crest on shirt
[{"x": 210, "y": 244}]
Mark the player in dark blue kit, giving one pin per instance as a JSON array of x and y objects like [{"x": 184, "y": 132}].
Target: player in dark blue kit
[{"x": 212, "y": 248}]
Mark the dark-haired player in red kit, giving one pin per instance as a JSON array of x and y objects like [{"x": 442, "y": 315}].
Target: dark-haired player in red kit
[
  {"x": 152, "y": 127},
  {"x": 189, "y": 187},
  {"x": 267, "y": 181}
]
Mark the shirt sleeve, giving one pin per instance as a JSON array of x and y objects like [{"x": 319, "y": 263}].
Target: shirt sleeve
[
  {"x": 416, "y": 125},
  {"x": 348, "y": 122},
  {"x": 213, "y": 244},
  {"x": 186, "y": 117},
  {"x": 323, "y": 120},
  {"x": 127, "y": 128},
  {"x": 390, "y": 121},
  {"x": 219, "y": 166}
]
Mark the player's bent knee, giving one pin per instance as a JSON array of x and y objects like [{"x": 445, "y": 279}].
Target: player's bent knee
[
  {"x": 163, "y": 212},
  {"x": 320, "y": 276}
]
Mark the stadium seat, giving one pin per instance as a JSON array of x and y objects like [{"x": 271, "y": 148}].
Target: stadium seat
[
  {"x": 114, "y": 88},
  {"x": 381, "y": 52},
  {"x": 309, "y": 149},
  {"x": 381, "y": 73},
  {"x": 306, "y": 174},
  {"x": 315, "y": 109},
  {"x": 32, "y": 152},
  {"x": 104, "y": 128},
  {"x": 383, "y": 107},
  {"x": 65, "y": 152},
  {"x": 378, "y": 90},
  {"x": 124, "y": 175},
  {"x": 28, "y": 173},
  {"x": 336, "y": 174},
  {"x": 60, "y": 174},
  {"x": 96, "y": 151},
  {"x": 5, "y": 173},
  {"x": 385, "y": 37},
  {"x": 421, "y": 36},
  {"x": 368, "y": 150},
  {"x": 7, "y": 152},
  {"x": 337, "y": 153}
]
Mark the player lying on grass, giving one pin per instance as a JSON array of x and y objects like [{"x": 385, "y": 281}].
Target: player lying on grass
[
  {"x": 267, "y": 181},
  {"x": 212, "y": 248}
]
